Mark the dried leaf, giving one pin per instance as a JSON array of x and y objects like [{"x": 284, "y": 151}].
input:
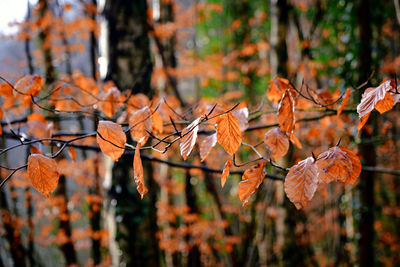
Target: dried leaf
[
  {"x": 251, "y": 180},
  {"x": 277, "y": 143},
  {"x": 206, "y": 145},
  {"x": 157, "y": 121},
  {"x": 34, "y": 150},
  {"x": 345, "y": 101},
  {"x": 333, "y": 165},
  {"x": 277, "y": 88},
  {"x": 138, "y": 172},
  {"x": 286, "y": 118},
  {"x": 242, "y": 115},
  {"x": 189, "y": 137},
  {"x": 385, "y": 104},
  {"x": 111, "y": 139},
  {"x": 301, "y": 182},
  {"x": 72, "y": 153},
  {"x": 356, "y": 166},
  {"x": 29, "y": 85},
  {"x": 363, "y": 121},
  {"x": 295, "y": 141},
  {"x": 42, "y": 173},
  {"x": 228, "y": 133},
  {"x": 111, "y": 102},
  {"x": 6, "y": 90},
  {"x": 225, "y": 173},
  {"x": 140, "y": 124}
]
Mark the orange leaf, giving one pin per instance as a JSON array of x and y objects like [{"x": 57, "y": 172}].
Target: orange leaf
[
  {"x": 372, "y": 96},
  {"x": 277, "y": 143},
  {"x": 35, "y": 150},
  {"x": 140, "y": 124},
  {"x": 138, "y": 172},
  {"x": 251, "y": 180},
  {"x": 42, "y": 173},
  {"x": 356, "y": 166},
  {"x": 225, "y": 173},
  {"x": 188, "y": 139},
  {"x": 111, "y": 102},
  {"x": 206, "y": 145},
  {"x": 39, "y": 129},
  {"x": 72, "y": 153},
  {"x": 1, "y": 113},
  {"x": 228, "y": 133},
  {"x": 333, "y": 165},
  {"x": 385, "y": 104},
  {"x": 293, "y": 138},
  {"x": 36, "y": 117},
  {"x": 363, "y": 121},
  {"x": 6, "y": 90},
  {"x": 157, "y": 122},
  {"x": 301, "y": 182},
  {"x": 344, "y": 102},
  {"x": 29, "y": 85},
  {"x": 277, "y": 88},
  {"x": 286, "y": 118},
  {"x": 111, "y": 139}
]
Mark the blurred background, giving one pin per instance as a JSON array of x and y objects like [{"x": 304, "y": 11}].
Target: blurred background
[{"x": 205, "y": 51}]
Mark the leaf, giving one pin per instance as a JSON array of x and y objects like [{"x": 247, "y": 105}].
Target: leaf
[
  {"x": 301, "y": 182},
  {"x": 277, "y": 143},
  {"x": 6, "y": 90},
  {"x": 189, "y": 137},
  {"x": 333, "y": 165},
  {"x": 251, "y": 180},
  {"x": 111, "y": 102},
  {"x": 157, "y": 121},
  {"x": 206, "y": 145},
  {"x": 277, "y": 88},
  {"x": 111, "y": 139},
  {"x": 72, "y": 153},
  {"x": 138, "y": 171},
  {"x": 29, "y": 85},
  {"x": 385, "y": 104},
  {"x": 42, "y": 173},
  {"x": 295, "y": 141},
  {"x": 34, "y": 150},
  {"x": 225, "y": 172},
  {"x": 286, "y": 118},
  {"x": 363, "y": 121},
  {"x": 372, "y": 96},
  {"x": 356, "y": 166},
  {"x": 344, "y": 102},
  {"x": 229, "y": 134},
  {"x": 140, "y": 124},
  {"x": 242, "y": 115}
]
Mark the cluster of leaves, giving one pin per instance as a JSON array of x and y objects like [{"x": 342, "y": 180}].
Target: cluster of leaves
[{"x": 226, "y": 127}]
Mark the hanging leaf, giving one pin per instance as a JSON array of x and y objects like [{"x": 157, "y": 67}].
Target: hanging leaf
[
  {"x": 228, "y": 133},
  {"x": 277, "y": 88},
  {"x": 111, "y": 139},
  {"x": 38, "y": 127},
  {"x": 242, "y": 115},
  {"x": 206, "y": 146},
  {"x": 138, "y": 171},
  {"x": 140, "y": 124},
  {"x": 301, "y": 182},
  {"x": 42, "y": 173},
  {"x": 72, "y": 153},
  {"x": 362, "y": 122},
  {"x": 157, "y": 121},
  {"x": 295, "y": 141},
  {"x": 251, "y": 180},
  {"x": 29, "y": 85},
  {"x": 333, "y": 165},
  {"x": 277, "y": 143},
  {"x": 356, "y": 166},
  {"x": 189, "y": 137},
  {"x": 385, "y": 104},
  {"x": 286, "y": 118},
  {"x": 345, "y": 101},
  {"x": 225, "y": 172},
  {"x": 111, "y": 102}
]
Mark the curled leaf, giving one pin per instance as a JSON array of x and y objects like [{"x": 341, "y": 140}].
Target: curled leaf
[
  {"x": 286, "y": 118},
  {"x": 225, "y": 172},
  {"x": 188, "y": 139},
  {"x": 206, "y": 145},
  {"x": 111, "y": 139},
  {"x": 277, "y": 88},
  {"x": 111, "y": 102},
  {"x": 301, "y": 182},
  {"x": 334, "y": 165},
  {"x": 140, "y": 124},
  {"x": 277, "y": 143},
  {"x": 229, "y": 134},
  {"x": 42, "y": 173},
  {"x": 242, "y": 115},
  {"x": 356, "y": 166},
  {"x": 138, "y": 172},
  {"x": 251, "y": 180},
  {"x": 29, "y": 85}
]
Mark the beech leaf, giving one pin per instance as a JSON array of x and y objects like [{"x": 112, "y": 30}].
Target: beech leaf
[
  {"x": 277, "y": 143},
  {"x": 188, "y": 139},
  {"x": 206, "y": 146},
  {"x": 225, "y": 172},
  {"x": 138, "y": 172},
  {"x": 111, "y": 139},
  {"x": 140, "y": 124},
  {"x": 229, "y": 135},
  {"x": 29, "y": 85},
  {"x": 286, "y": 118},
  {"x": 334, "y": 165},
  {"x": 251, "y": 180},
  {"x": 42, "y": 173}
]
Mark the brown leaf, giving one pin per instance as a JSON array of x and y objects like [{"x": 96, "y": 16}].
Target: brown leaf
[
  {"x": 345, "y": 101},
  {"x": 35, "y": 150},
  {"x": 111, "y": 139},
  {"x": 228, "y": 133},
  {"x": 138, "y": 172},
  {"x": 295, "y": 141},
  {"x": 251, "y": 180},
  {"x": 277, "y": 88},
  {"x": 242, "y": 115},
  {"x": 188, "y": 139},
  {"x": 301, "y": 182},
  {"x": 72, "y": 153},
  {"x": 286, "y": 118},
  {"x": 372, "y": 96},
  {"x": 206, "y": 145},
  {"x": 111, "y": 102},
  {"x": 385, "y": 104},
  {"x": 140, "y": 124},
  {"x": 225, "y": 173},
  {"x": 363, "y": 121},
  {"x": 356, "y": 166},
  {"x": 157, "y": 121},
  {"x": 42, "y": 173},
  {"x": 29, "y": 85},
  {"x": 277, "y": 143},
  {"x": 333, "y": 165}
]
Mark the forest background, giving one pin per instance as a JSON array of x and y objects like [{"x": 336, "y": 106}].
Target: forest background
[{"x": 175, "y": 74}]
